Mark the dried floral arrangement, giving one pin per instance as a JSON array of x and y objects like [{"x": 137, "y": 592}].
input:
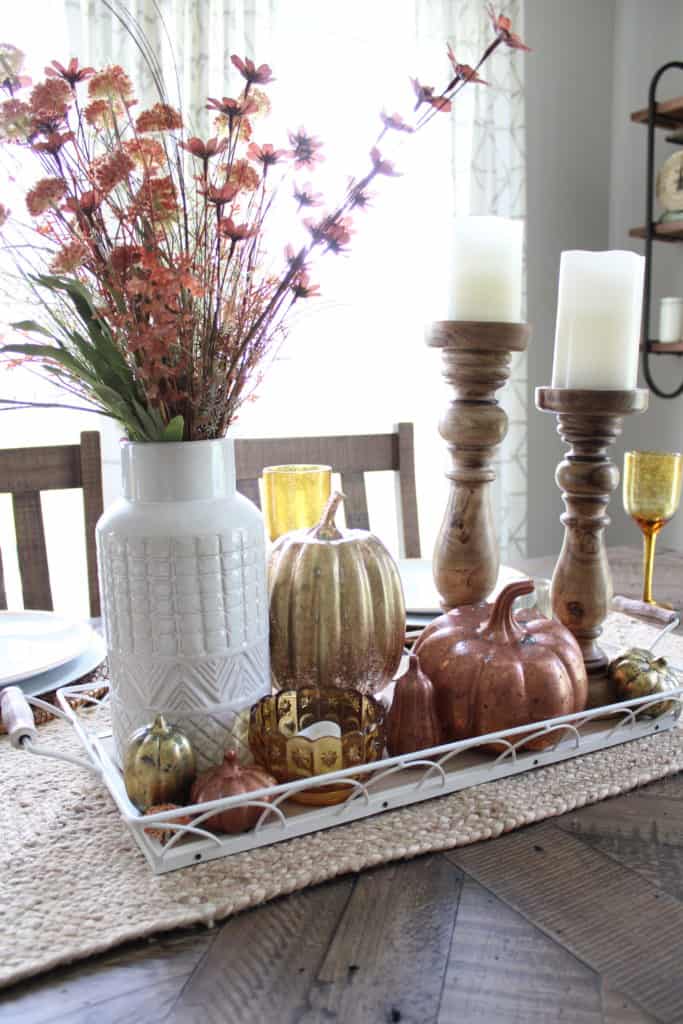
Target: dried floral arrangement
[{"x": 161, "y": 305}]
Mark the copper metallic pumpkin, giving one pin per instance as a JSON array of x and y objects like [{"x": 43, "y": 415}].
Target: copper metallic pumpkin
[
  {"x": 412, "y": 723},
  {"x": 230, "y": 779},
  {"x": 337, "y": 615},
  {"x": 494, "y": 670}
]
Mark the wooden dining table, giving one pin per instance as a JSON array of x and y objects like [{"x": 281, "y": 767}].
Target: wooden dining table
[{"x": 514, "y": 929}]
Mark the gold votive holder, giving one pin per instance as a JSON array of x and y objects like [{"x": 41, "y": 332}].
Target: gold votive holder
[
  {"x": 293, "y": 497},
  {"x": 277, "y": 720}
]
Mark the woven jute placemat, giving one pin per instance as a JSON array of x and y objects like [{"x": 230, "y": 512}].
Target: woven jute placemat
[{"x": 73, "y": 882}]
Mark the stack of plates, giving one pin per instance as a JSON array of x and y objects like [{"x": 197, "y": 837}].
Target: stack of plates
[{"x": 41, "y": 651}]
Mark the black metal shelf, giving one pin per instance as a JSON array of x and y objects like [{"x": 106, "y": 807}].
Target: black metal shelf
[{"x": 668, "y": 115}]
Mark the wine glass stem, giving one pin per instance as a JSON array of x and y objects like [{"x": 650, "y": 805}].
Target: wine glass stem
[{"x": 650, "y": 540}]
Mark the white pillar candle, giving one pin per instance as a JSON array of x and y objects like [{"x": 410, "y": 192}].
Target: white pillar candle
[
  {"x": 599, "y": 309},
  {"x": 486, "y": 270},
  {"x": 670, "y": 319}
]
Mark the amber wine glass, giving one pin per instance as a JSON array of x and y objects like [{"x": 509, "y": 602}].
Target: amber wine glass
[
  {"x": 652, "y": 491},
  {"x": 293, "y": 497}
]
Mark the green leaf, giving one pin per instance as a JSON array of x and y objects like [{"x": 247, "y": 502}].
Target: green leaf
[
  {"x": 59, "y": 355},
  {"x": 175, "y": 429},
  {"x": 150, "y": 419},
  {"x": 31, "y": 325}
]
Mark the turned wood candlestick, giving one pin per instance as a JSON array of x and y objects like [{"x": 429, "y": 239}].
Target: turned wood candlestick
[
  {"x": 476, "y": 363},
  {"x": 581, "y": 593}
]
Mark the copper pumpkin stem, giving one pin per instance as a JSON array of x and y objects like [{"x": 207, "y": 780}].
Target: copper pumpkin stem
[
  {"x": 326, "y": 529},
  {"x": 502, "y": 620}
]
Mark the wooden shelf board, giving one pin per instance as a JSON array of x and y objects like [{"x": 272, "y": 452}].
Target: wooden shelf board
[
  {"x": 669, "y": 231},
  {"x": 667, "y": 348},
  {"x": 669, "y": 114}
]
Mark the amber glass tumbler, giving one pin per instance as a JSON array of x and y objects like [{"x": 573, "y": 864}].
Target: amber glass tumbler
[{"x": 293, "y": 497}]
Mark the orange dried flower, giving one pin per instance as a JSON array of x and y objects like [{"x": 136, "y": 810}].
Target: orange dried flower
[
  {"x": 71, "y": 73},
  {"x": 159, "y": 118},
  {"x": 124, "y": 257},
  {"x": 156, "y": 199},
  {"x": 244, "y": 176},
  {"x": 49, "y": 103},
  {"x": 112, "y": 169},
  {"x": 44, "y": 195},
  {"x": 204, "y": 150},
  {"x": 53, "y": 142},
  {"x": 147, "y": 153},
  {"x": 235, "y": 232},
  {"x": 69, "y": 258},
  {"x": 110, "y": 84},
  {"x": 99, "y": 114},
  {"x": 248, "y": 70},
  {"x": 4, "y": 214},
  {"x": 15, "y": 120},
  {"x": 261, "y": 100},
  {"x": 223, "y": 125},
  {"x": 85, "y": 205}
]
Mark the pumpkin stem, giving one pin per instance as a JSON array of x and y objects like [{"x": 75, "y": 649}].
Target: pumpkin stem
[
  {"x": 159, "y": 724},
  {"x": 502, "y": 620},
  {"x": 326, "y": 529}
]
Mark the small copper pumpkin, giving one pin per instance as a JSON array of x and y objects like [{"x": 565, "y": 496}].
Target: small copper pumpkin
[
  {"x": 412, "y": 723},
  {"x": 231, "y": 779},
  {"x": 492, "y": 670}
]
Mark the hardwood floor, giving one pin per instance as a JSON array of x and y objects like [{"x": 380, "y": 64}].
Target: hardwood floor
[{"x": 577, "y": 920}]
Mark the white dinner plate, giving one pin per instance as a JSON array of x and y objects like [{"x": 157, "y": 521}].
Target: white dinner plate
[
  {"x": 72, "y": 672},
  {"x": 35, "y": 642},
  {"x": 421, "y": 594}
]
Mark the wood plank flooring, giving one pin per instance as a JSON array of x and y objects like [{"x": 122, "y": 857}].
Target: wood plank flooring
[{"x": 577, "y": 920}]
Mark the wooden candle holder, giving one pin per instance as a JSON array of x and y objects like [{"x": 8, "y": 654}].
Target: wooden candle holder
[
  {"x": 581, "y": 593},
  {"x": 476, "y": 363}
]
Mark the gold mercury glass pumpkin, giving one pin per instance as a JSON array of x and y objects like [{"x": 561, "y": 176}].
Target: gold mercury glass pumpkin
[
  {"x": 337, "y": 615},
  {"x": 159, "y": 765},
  {"x": 637, "y": 673}
]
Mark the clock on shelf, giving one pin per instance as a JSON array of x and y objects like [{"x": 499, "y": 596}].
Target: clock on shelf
[{"x": 670, "y": 187}]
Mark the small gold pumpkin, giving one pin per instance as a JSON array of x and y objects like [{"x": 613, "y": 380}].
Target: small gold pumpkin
[
  {"x": 337, "y": 615},
  {"x": 638, "y": 673},
  {"x": 159, "y": 765}
]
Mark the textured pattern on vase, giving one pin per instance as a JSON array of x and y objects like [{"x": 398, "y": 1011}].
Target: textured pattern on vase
[
  {"x": 211, "y": 731},
  {"x": 182, "y": 596},
  {"x": 186, "y": 620}
]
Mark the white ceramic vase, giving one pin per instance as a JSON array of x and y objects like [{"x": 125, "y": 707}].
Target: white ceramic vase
[{"x": 184, "y": 598}]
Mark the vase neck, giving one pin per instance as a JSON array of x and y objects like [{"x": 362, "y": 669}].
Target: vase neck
[{"x": 182, "y": 471}]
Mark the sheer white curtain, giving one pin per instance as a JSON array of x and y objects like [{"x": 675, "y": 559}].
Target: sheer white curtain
[{"x": 355, "y": 360}]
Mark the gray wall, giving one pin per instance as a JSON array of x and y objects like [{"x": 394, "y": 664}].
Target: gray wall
[
  {"x": 647, "y": 35},
  {"x": 590, "y": 68}
]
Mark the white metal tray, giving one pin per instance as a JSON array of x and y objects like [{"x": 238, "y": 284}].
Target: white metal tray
[{"x": 387, "y": 784}]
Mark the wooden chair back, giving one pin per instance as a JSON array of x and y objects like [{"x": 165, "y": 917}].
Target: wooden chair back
[
  {"x": 351, "y": 456},
  {"x": 24, "y": 473}
]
